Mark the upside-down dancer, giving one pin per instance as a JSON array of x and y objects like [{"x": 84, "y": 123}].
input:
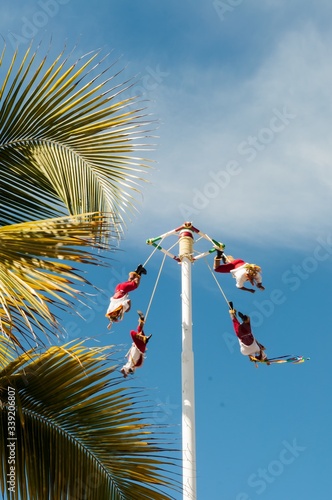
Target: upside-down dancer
[
  {"x": 135, "y": 354},
  {"x": 120, "y": 302},
  {"x": 249, "y": 346},
  {"x": 242, "y": 271}
]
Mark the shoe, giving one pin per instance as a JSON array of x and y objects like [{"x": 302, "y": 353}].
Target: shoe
[
  {"x": 221, "y": 256},
  {"x": 124, "y": 373},
  {"x": 141, "y": 315},
  {"x": 140, "y": 270},
  {"x": 243, "y": 317}
]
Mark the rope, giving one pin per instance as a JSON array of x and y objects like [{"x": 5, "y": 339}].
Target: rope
[
  {"x": 147, "y": 260},
  {"x": 214, "y": 277},
  {"x": 201, "y": 235},
  {"x": 171, "y": 248},
  {"x": 155, "y": 286},
  {"x": 159, "y": 273}
]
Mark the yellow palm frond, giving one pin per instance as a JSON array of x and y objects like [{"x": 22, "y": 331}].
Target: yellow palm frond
[
  {"x": 36, "y": 268},
  {"x": 79, "y": 431}
]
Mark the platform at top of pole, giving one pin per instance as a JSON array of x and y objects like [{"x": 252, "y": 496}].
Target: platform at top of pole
[{"x": 185, "y": 230}]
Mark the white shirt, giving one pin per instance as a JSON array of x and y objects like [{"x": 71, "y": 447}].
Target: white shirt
[
  {"x": 240, "y": 274},
  {"x": 115, "y": 303},
  {"x": 247, "y": 350}
]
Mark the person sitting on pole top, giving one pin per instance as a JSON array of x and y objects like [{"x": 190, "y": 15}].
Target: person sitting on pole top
[
  {"x": 120, "y": 302},
  {"x": 240, "y": 270},
  {"x": 135, "y": 354},
  {"x": 248, "y": 344}
]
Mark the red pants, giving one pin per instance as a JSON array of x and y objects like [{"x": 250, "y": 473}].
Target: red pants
[
  {"x": 122, "y": 288},
  {"x": 230, "y": 266},
  {"x": 137, "y": 341}
]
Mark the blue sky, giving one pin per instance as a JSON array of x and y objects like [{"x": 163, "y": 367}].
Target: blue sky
[{"x": 241, "y": 93}]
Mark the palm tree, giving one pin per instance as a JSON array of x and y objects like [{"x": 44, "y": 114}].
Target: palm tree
[
  {"x": 67, "y": 144},
  {"x": 78, "y": 433},
  {"x": 69, "y": 177},
  {"x": 67, "y": 139},
  {"x": 36, "y": 271}
]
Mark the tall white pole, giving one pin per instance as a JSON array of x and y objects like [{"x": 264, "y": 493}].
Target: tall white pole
[{"x": 186, "y": 241}]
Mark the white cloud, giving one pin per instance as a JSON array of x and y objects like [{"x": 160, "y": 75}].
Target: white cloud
[{"x": 283, "y": 180}]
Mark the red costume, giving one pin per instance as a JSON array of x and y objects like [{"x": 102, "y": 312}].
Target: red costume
[
  {"x": 122, "y": 288},
  {"x": 240, "y": 270},
  {"x": 248, "y": 344},
  {"x": 230, "y": 266},
  {"x": 120, "y": 302},
  {"x": 135, "y": 354},
  {"x": 243, "y": 331}
]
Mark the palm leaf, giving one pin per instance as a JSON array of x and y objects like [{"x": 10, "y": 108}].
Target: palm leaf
[
  {"x": 36, "y": 270},
  {"x": 80, "y": 434},
  {"x": 67, "y": 139}
]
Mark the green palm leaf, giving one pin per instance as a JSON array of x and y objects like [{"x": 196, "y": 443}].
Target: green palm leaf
[
  {"x": 36, "y": 270},
  {"x": 67, "y": 139},
  {"x": 80, "y": 434}
]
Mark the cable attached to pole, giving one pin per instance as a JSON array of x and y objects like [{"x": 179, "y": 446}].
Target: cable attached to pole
[
  {"x": 214, "y": 277},
  {"x": 155, "y": 287}
]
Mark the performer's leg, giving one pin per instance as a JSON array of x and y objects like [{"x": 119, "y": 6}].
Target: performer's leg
[{"x": 223, "y": 268}]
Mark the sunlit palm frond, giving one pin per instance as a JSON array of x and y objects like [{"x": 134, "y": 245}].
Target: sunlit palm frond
[
  {"x": 36, "y": 270},
  {"x": 68, "y": 139},
  {"x": 79, "y": 431},
  {"x": 7, "y": 352}
]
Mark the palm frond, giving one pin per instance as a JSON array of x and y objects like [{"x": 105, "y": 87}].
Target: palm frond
[
  {"x": 79, "y": 431},
  {"x": 68, "y": 139},
  {"x": 36, "y": 270},
  {"x": 7, "y": 352}
]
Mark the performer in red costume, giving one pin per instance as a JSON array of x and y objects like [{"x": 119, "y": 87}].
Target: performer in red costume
[
  {"x": 249, "y": 346},
  {"x": 120, "y": 302},
  {"x": 240, "y": 270},
  {"x": 135, "y": 354}
]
